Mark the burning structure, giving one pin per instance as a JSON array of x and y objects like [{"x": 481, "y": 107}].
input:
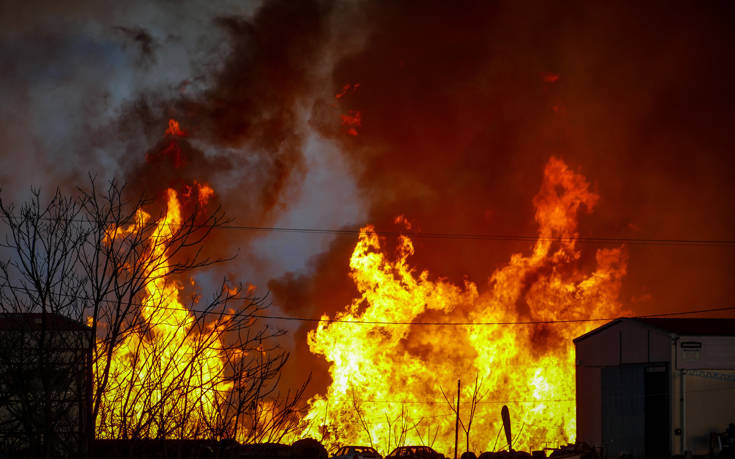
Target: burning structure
[
  {"x": 45, "y": 386},
  {"x": 656, "y": 387}
]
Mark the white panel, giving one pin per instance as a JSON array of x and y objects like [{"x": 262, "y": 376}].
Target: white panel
[
  {"x": 715, "y": 352},
  {"x": 710, "y": 401}
]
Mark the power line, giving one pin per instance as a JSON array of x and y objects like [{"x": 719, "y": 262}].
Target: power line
[
  {"x": 376, "y": 322},
  {"x": 442, "y": 402},
  {"x": 486, "y": 236},
  {"x": 528, "y": 322},
  {"x": 455, "y": 236},
  {"x": 622, "y": 395}
]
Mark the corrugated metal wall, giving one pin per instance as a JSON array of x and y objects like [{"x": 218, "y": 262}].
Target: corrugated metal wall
[{"x": 623, "y": 410}]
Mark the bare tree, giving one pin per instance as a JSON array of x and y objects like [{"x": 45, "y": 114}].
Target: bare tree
[
  {"x": 477, "y": 396},
  {"x": 428, "y": 438},
  {"x": 398, "y": 428},
  {"x": 98, "y": 259},
  {"x": 43, "y": 358},
  {"x": 253, "y": 410},
  {"x": 357, "y": 406}
]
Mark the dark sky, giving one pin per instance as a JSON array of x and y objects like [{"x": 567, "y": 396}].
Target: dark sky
[{"x": 460, "y": 103}]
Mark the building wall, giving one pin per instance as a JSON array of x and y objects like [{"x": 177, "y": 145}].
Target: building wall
[
  {"x": 45, "y": 392},
  {"x": 626, "y": 342},
  {"x": 622, "y": 413},
  {"x": 710, "y": 407},
  {"x": 714, "y": 352},
  {"x": 709, "y": 381},
  {"x": 631, "y": 347},
  {"x": 709, "y": 378},
  {"x": 589, "y": 404}
]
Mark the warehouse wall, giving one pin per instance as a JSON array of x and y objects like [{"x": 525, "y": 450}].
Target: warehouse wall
[
  {"x": 709, "y": 366},
  {"x": 624, "y": 342},
  {"x": 611, "y": 366}
]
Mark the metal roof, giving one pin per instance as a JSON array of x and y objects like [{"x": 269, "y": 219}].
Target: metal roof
[
  {"x": 713, "y": 327},
  {"x": 689, "y": 327},
  {"x": 36, "y": 321}
]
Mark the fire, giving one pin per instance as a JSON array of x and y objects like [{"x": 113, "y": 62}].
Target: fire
[
  {"x": 387, "y": 379},
  {"x": 349, "y": 88},
  {"x": 174, "y": 132},
  {"x": 351, "y": 121},
  {"x": 204, "y": 192},
  {"x": 164, "y": 379},
  {"x": 174, "y": 129}
]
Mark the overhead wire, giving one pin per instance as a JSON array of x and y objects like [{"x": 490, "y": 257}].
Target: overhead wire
[
  {"x": 469, "y": 236},
  {"x": 488, "y": 236},
  {"x": 443, "y": 235},
  {"x": 621, "y": 395},
  {"x": 528, "y": 322},
  {"x": 614, "y": 395},
  {"x": 384, "y": 323}
]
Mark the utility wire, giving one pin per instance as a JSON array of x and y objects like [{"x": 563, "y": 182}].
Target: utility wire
[
  {"x": 621, "y": 395},
  {"x": 485, "y": 236},
  {"x": 376, "y": 322},
  {"x": 440, "y": 235},
  {"x": 528, "y": 322}
]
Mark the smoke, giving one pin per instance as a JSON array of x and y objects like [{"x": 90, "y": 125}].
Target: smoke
[
  {"x": 461, "y": 105},
  {"x": 92, "y": 91},
  {"x": 448, "y": 112},
  {"x": 244, "y": 132}
]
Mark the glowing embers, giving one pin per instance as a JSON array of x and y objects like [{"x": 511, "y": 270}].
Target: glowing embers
[
  {"x": 387, "y": 379},
  {"x": 174, "y": 129},
  {"x": 351, "y": 120},
  {"x": 173, "y": 149}
]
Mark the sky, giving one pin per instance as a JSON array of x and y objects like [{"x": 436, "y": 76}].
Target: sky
[{"x": 447, "y": 113}]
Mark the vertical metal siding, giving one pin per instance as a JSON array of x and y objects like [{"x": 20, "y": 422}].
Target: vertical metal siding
[{"x": 623, "y": 390}]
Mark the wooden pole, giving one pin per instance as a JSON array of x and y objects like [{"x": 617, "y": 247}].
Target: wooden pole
[{"x": 456, "y": 423}]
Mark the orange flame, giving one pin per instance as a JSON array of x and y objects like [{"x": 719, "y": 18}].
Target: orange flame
[
  {"x": 174, "y": 129},
  {"x": 204, "y": 192},
  {"x": 387, "y": 380},
  {"x": 347, "y": 89},
  {"x": 352, "y": 121},
  {"x": 164, "y": 371}
]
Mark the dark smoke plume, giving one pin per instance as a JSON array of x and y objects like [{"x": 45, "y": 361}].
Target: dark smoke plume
[
  {"x": 461, "y": 104},
  {"x": 446, "y": 115}
]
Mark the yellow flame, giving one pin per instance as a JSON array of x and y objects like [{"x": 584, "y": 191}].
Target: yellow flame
[
  {"x": 387, "y": 380},
  {"x": 166, "y": 378}
]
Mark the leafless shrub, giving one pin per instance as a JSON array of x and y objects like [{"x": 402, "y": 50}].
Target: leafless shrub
[{"x": 91, "y": 257}]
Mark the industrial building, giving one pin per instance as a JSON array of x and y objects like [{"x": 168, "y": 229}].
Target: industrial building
[
  {"x": 656, "y": 387},
  {"x": 45, "y": 386}
]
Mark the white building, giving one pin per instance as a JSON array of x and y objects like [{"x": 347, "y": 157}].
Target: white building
[{"x": 655, "y": 387}]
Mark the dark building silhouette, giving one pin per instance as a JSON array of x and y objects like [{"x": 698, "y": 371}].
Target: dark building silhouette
[
  {"x": 656, "y": 387},
  {"x": 45, "y": 386}
]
